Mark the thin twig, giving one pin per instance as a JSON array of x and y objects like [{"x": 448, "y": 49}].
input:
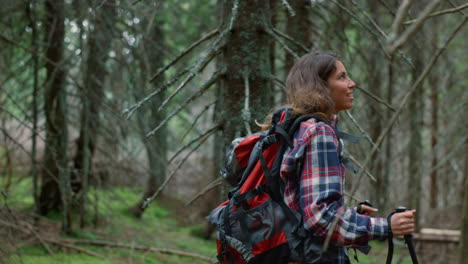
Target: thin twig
[
  {"x": 199, "y": 138},
  {"x": 360, "y": 128},
  {"x": 382, "y": 46},
  {"x": 406, "y": 98},
  {"x": 132, "y": 109},
  {"x": 199, "y": 66},
  {"x": 443, "y": 12},
  {"x": 197, "y": 117},
  {"x": 354, "y": 160},
  {"x": 285, "y": 36},
  {"x": 207, "y": 188},
  {"x": 166, "y": 181},
  {"x": 284, "y": 45},
  {"x": 199, "y": 93},
  {"x": 80, "y": 249},
  {"x": 366, "y": 163},
  {"x": 375, "y": 97},
  {"x": 278, "y": 82},
  {"x": 137, "y": 247},
  {"x": 185, "y": 52}
]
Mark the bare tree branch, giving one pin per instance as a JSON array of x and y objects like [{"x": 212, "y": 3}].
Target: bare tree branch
[
  {"x": 185, "y": 52},
  {"x": 285, "y": 36},
  {"x": 400, "y": 15},
  {"x": 443, "y": 12},
  {"x": 199, "y": 93},
  {"x": 202, "y": 138},
  {"x": 197, "y": 117},
  {"x": 137, "y": 247},
  {"x": 354, "y": 160},
  {"x": 284, "y": 45},
  {"x": 389, "y": 126},
  {"x": 360, "y": 128},
  {"x": 396, "y": 43},
  {"x": 131, "y": 110},
  {"x": 207, "y": 188},
  {"x": 406, "y": 98},
  {"x": 376, "y": 98}
]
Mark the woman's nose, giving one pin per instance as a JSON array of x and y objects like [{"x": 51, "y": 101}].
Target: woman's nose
[{"x": 351, "y": 84}]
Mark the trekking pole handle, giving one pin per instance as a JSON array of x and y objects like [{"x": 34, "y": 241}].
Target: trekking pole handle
[
  {"x": 408, "y": 238},
  {"x": 359, "y": 207}
]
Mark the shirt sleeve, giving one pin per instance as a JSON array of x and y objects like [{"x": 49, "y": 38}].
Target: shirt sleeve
[{"x": 321, "y": 194}]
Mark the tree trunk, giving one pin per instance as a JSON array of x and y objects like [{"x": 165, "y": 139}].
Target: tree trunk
[
  {"x": 55, "y": 189},
  {"x": 30, "y": 10},
  {"x": 244, "y": 93},
  {"x": 99, "y": 43},
  {"x": 415, "y": 150},
  {"x": 149, "y": 117}
]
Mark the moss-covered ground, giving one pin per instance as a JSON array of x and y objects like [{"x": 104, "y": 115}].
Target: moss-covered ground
[{"x": 159, "y": 227}]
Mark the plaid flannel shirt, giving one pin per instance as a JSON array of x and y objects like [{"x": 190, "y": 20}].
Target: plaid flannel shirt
[{"x": 314, "y": 179}]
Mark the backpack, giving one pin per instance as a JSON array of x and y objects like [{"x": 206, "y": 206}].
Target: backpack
[{"x": 255, "y": 225}]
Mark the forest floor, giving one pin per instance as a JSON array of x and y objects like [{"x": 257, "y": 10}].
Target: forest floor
[{"x": 162, "y": 235}]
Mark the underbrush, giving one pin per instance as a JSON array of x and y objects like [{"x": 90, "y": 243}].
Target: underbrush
[{"x": 125, "y": 239}]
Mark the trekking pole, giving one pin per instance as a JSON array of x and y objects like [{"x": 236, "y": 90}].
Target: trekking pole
[{"x": 408, "y": 240}]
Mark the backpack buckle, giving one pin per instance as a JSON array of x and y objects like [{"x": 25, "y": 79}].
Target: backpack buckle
[{"x": 270, "y": 139}]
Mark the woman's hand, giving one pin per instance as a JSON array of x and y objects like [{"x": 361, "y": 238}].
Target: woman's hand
[
  {"x": 367, "y": 210},
  {"x": 403, "y": 223}
]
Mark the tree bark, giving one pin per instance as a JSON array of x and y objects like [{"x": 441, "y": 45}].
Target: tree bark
[{"x": 55, "y": 189}]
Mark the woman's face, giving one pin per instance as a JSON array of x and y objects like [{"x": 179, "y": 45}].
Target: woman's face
[{"x": 341, "y": 88}]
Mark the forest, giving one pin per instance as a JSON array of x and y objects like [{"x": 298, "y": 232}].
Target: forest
[{"x": 115, "y": 116}]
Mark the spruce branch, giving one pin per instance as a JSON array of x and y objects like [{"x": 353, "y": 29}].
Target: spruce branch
[
  {"x": 199, "y": 66},
  {"x": 214, "y": 78},
  {"x": 202, "y": 139},
  {"x": 184, "y": 53},
  {"x": 197, "y": 117},
  {"x": 207, "y": 188},
  {"x": 285, "y": 36},
  {"x": 281, "y": 42}
]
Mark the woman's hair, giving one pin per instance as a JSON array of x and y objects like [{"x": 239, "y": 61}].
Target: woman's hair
[{"x": 306, "y": 86}]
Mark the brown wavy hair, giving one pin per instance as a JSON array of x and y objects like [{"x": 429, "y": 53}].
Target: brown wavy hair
[{"x": 306, "y": 86}]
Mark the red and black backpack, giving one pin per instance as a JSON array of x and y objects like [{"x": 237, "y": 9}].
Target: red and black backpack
[{"x": 255, "y": 225}]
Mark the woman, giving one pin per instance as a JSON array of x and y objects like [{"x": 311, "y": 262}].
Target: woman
[{"x": 318, "y": 84}]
